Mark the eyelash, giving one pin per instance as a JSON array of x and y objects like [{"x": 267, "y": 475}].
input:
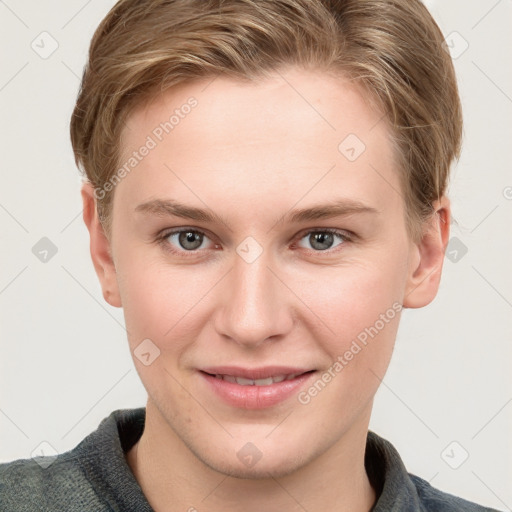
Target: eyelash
[{"x": 162, "y": 240}]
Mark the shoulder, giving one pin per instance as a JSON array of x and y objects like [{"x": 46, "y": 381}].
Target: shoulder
[
  {"x": 47, "y": 484},
  {"x": 86, "y": 477},
  {"x": 432, "y": 499},
  {"x": 401, "y": 491}
]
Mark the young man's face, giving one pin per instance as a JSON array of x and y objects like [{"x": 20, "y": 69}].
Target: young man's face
[{"x": 258, "y": 288}]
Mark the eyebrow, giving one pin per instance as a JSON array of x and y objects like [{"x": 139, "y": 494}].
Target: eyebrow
[{"x": 335, "y": 208}]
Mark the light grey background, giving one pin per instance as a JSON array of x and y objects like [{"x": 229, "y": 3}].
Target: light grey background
[{"x": 64, "y": 362}]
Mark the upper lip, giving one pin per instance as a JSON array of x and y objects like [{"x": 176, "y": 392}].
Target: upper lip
[{"x": 262, "y": 372}]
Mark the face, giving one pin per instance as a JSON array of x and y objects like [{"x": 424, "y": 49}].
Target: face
[{"x": 299, "y": 264}]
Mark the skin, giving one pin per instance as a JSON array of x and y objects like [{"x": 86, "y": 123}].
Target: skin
[{"x": 251, "y": 152}]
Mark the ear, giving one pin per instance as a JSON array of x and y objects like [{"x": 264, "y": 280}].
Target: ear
[
  {"x": 100, "y": 247},
  {"x": 427, "y": 257}
]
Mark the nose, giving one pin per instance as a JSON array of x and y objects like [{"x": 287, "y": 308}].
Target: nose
[{"x": 255, "y": 306}]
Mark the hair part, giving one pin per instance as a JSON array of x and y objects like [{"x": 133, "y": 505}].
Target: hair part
[{"x": 393, "y": 49}]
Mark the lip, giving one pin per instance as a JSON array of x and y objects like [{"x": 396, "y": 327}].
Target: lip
[{"x": 254, "y": 396}]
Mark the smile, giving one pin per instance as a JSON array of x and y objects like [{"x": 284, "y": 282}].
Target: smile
[
  {"x": 254, "y": 388},
  {"x": 256, "y": 382}
]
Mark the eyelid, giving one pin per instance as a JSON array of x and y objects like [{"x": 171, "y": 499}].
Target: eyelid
[{"x": 349, "y": 235}]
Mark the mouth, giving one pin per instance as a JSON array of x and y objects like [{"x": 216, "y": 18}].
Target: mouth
[{"x": 256, "y": 388}]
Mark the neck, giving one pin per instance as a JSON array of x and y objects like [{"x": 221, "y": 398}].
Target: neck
[{"x": 173, "y": 479}]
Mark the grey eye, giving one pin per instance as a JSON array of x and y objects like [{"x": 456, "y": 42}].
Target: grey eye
[
  {"x": 189, "y": 240},
  {"x": 321, "y": 241}
]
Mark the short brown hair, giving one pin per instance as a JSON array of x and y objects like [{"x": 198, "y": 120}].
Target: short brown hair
[{"x": 392, "y": 48}]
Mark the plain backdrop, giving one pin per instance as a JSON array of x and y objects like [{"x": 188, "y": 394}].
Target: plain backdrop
[{"x": 446, "y": 401}]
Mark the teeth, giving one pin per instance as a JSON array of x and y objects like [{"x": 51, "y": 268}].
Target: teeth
[
  {"x": 264, "y": 382},
  {"x": 256, "y": 382},
  {"x": 244, "y": 382}
]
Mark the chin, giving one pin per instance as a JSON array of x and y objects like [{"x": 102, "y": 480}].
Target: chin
[
  {"x": 260, "y": 471},
  {"x": 273, "y": 465}
]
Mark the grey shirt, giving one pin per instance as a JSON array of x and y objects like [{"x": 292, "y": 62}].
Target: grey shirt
[{"x": 94, "y": 476}]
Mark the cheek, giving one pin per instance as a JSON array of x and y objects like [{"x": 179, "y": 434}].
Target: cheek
[
  {"x": 352, "y": 297},
  {"x": 161, "y": 301},
  {"x": 159, "y": 304},
  {"x": 362, "y": 307}
]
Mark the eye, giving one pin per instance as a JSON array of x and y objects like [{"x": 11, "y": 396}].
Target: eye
[
  {"x": 189, "y": 242},
  {"x": 323, "y": 240},
  {"x": 183, "y": 241}
]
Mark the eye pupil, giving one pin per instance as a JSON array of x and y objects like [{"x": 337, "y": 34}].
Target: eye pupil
[
  {"x": 188, "y": 238},
  {"x": 318, "y": 239}
]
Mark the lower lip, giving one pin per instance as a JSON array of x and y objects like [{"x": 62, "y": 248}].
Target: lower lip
[{"x": 255, "y": 397}]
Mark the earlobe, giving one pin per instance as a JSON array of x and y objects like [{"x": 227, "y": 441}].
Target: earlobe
[
  {"x": 428, "y": 257},
  {"x": 100, "y": 248}
]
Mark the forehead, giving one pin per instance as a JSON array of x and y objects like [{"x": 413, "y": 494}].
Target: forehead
[{"x": 308, "y": 134}]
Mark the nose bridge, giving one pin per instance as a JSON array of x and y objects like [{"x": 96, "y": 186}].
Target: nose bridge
[{"x": 254, "y": 305}]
